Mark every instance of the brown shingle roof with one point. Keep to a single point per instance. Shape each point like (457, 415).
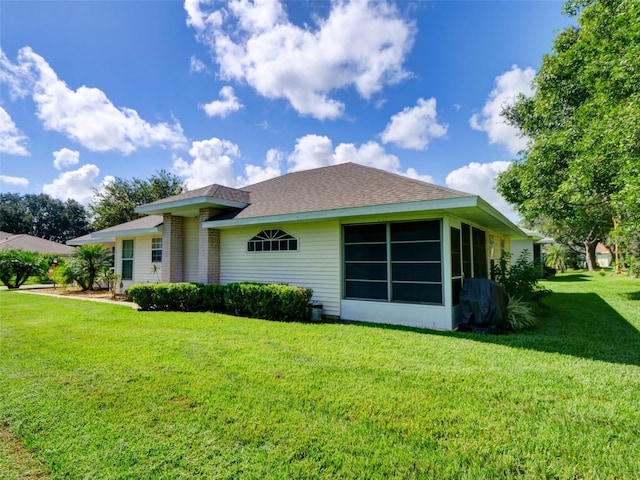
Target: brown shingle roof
(30, 243)
(339, 186)
(215, 191)
(150, 221)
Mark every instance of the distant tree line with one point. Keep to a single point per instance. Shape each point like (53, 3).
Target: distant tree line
(45, 217)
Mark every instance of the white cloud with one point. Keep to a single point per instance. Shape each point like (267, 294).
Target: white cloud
(489, 120)
(480, 179)
(86, 115)
(314, 151)
(361, 44)
(221, 108)
(413, 173)
(196, 65)
(212, 163)
(11, 139)
(415, 127)
(15, 181)
(65, 158)
(256, 173)
(76, 184)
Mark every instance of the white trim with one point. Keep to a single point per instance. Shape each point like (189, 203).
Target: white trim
(91, 240)
(128, 233)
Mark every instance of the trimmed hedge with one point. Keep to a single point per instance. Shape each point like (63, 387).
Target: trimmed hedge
(255, 300)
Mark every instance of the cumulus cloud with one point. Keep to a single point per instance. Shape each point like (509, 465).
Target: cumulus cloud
(86, 115)
(257, 173)
(361, 44)
(480, 179)
(227, 104)
(65, 158)
(196, 65)
(11, 139)
(74, 184)
(314, 151)
(15, 181)
(507, 87)
(212, 163)
(415, 127)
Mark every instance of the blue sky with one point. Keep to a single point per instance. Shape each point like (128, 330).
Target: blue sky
(238, 92)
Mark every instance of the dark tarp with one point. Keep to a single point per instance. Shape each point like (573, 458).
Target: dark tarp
(483, 306)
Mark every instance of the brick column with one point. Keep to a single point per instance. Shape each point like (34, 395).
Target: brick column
(208, 249)
(172, 241)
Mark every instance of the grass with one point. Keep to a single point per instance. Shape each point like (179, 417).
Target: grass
(94, 390)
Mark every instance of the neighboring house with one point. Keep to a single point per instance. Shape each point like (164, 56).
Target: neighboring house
(374, 246)
(533, 245)
(603, 256)
(30, 243)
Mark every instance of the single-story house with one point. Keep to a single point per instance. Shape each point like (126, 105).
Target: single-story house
(533, 245)
(29, 243)
(374, 246)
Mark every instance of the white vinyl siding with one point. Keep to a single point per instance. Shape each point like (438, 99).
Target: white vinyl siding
(142, 265)
(190, 254)
(315, 265)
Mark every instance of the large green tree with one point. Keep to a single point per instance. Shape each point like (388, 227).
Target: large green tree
(578, 177)
(116, 203)
(42, 216)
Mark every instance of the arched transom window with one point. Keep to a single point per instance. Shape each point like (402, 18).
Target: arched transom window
(273, 240)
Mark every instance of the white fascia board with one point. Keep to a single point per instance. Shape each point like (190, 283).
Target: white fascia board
(493, 212)
(427, 205)
(188, 202)
(127, 233)
(90, 241)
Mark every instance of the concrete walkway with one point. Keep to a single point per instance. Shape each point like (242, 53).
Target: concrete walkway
(34, 291)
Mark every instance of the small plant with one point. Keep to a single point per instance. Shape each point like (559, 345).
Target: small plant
(520, 314)
(110, 278)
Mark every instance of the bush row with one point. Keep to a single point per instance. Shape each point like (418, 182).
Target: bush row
(256, 300)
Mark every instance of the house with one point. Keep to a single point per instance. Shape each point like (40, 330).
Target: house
(374, 246)
(30, 243)
(533, 244)
(603, 256)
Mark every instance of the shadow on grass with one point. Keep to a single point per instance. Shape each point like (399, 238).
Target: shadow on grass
(635, 296)
(573, 277)
(577, 324)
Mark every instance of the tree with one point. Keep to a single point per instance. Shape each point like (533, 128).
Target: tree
(85, 264)
(16, 266)
(42, 216)
(116, 203)
(577, 175)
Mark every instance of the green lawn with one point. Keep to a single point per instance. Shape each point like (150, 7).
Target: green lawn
(92, 390)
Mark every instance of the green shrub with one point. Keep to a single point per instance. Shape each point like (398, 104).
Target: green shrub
(520, 314)
(267, 301)
(520, 280)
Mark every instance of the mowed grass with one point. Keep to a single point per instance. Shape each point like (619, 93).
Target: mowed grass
(93, 390)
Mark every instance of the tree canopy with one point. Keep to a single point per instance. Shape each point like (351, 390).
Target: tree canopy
(116, 203)
(579, 176)
(42, 216)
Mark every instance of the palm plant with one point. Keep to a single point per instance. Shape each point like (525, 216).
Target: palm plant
(16, 266)
(84, 265)
(556, 257)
